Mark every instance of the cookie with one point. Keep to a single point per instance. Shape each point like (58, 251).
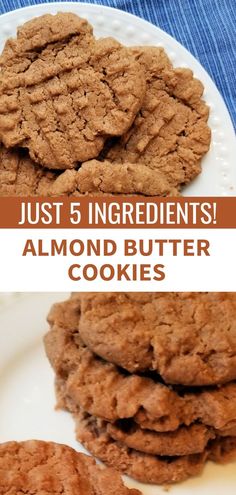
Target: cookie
(188, 338)
(145, 467)
(62, 93)
(20, 176)
(152, 406)
(185, 440)
(170, 132)
(110, 393)
(37, 467)
(117, 178)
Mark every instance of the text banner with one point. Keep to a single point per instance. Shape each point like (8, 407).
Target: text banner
(118, 212)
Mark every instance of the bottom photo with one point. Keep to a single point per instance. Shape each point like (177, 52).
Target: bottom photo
(118, 393)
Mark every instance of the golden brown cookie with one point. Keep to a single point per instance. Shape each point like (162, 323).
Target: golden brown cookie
(114, 178)
(153, 407)
(188, 338)
(37, 467)
(146, 467)
(20, 176)
(62, 92)
(185, 440)
(170, 131)
(103, 390)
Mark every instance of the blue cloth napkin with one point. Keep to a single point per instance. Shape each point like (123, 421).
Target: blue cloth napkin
(207, 28)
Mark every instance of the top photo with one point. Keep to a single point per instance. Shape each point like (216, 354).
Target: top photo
(97, 101)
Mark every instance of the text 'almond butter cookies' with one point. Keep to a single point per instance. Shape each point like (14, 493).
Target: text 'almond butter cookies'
(122, 119)
(37, 467)
(135, 421)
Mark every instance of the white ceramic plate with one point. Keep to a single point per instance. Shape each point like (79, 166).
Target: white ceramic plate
(219, 169)
(27, 394)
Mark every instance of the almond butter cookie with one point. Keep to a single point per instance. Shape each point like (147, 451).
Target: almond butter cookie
(146, 467)
(62, 93)
(20, 176)
(170, 132)
(104, 390)
(37, 467)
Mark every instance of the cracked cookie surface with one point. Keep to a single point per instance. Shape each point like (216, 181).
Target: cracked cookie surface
(185, 440)
(188, 338)
(35, 467)
(113, 178)
(170, 132)
(62, 93)
(20, 176)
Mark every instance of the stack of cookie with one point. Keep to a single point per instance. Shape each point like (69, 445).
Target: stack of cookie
(149, 378)
(80, 115)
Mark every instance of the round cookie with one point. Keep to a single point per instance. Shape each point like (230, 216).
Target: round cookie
(62, 93)
(145, 467)
(170, 131)
(108, 392)
(188, 338)
(36, 467)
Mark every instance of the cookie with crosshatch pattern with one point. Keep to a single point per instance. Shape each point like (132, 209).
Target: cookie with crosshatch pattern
(62, 93)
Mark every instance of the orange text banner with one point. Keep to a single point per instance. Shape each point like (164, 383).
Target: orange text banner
(118, 212)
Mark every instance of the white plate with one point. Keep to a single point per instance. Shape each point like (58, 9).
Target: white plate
(219, 168)
(27, 394)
